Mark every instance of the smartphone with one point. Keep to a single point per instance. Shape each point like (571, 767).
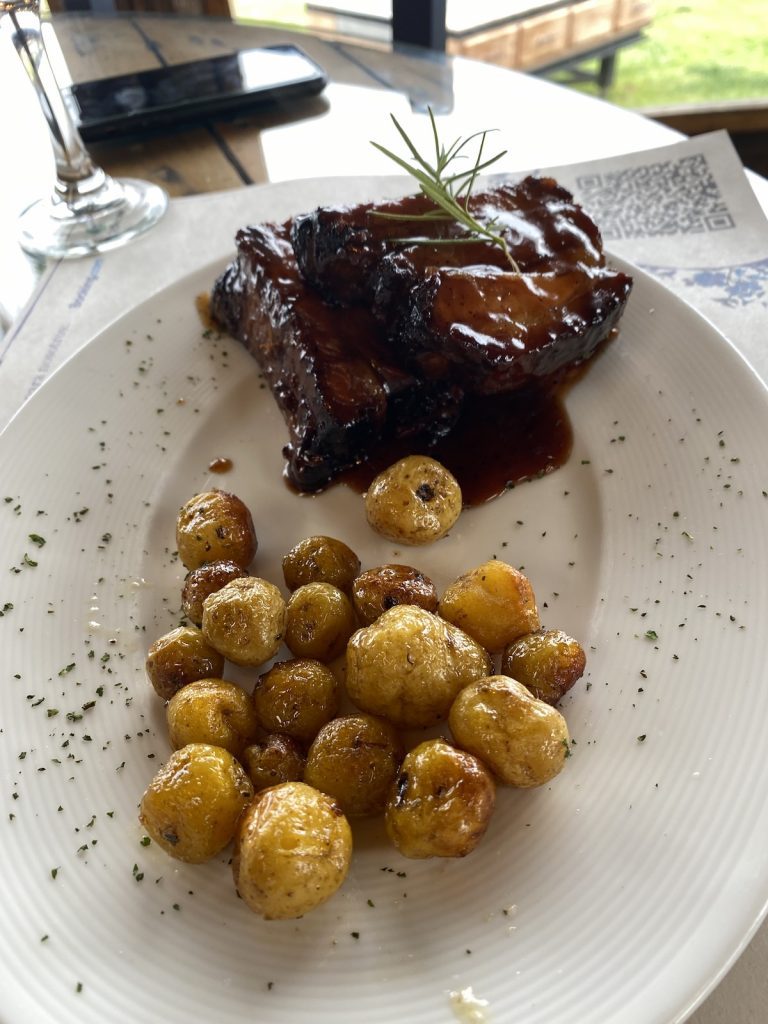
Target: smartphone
(214, 87)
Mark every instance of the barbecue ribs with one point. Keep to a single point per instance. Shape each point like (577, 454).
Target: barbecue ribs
(363, 336)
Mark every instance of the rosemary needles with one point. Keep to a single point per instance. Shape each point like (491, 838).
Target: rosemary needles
(448, 189)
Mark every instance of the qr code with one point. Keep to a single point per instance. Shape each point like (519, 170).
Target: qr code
(667, 197)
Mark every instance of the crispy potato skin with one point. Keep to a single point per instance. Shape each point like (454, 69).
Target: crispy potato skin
(212, 711)
(193, 804)
(547, 663)
(441, 802)
(296, 698)
(494, 603)
(245, 620)
(408, 666)
(377, 590)
(414, 501)
(319, 621)
(355, 759)
(215, 526)
(278, 771)
(522, 740)
(292, 851)
(277, 759)
(205, 580)
(320, 559)
(180, 657)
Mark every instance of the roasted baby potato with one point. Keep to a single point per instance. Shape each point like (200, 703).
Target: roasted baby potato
(376, 590)
(245, 620)
(277, 759)
(494, 603)
(180, 657)
(202, 582)
(441, 802)
(292, 851)
(547, 663)
(409, 664)
(192, 806)
(415, 501)
(320, 560)
(296, 698)
(319, 621)
(355, 760)
(212, 711)
(215, 526)
(522, 740)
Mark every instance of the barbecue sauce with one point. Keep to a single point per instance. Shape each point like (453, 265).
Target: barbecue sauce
(203, 307)
(498, 442)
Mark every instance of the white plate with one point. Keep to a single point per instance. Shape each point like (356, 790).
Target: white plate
(619, 893)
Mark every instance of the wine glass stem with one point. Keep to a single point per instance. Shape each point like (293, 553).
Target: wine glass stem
(74, 166)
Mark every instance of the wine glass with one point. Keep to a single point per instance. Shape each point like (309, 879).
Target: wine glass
(88, 211)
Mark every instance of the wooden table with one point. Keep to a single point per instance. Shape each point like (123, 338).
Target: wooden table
(326, 135)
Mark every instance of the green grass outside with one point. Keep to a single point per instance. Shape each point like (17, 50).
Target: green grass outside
(695, 52)
(279, 13)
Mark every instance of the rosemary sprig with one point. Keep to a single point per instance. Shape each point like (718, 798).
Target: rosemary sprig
(450, 192)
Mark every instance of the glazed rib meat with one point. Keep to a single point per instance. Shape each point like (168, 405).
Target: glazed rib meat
(458, 311)
(493, 329)
(339, 390)
(364, 339)
(339, 249)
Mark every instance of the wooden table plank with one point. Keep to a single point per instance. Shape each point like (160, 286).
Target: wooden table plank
(178, 42)
(426, 83)
(184, 163)
(99, 48)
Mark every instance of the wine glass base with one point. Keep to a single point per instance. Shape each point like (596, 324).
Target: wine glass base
(115, 213)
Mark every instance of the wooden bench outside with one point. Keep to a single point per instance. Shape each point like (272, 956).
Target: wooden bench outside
(537, 36)
(562, 35)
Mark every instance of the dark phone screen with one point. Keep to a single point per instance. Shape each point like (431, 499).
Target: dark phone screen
(182, 91)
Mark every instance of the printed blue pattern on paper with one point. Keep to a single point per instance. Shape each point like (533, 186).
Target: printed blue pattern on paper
(735, 286)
